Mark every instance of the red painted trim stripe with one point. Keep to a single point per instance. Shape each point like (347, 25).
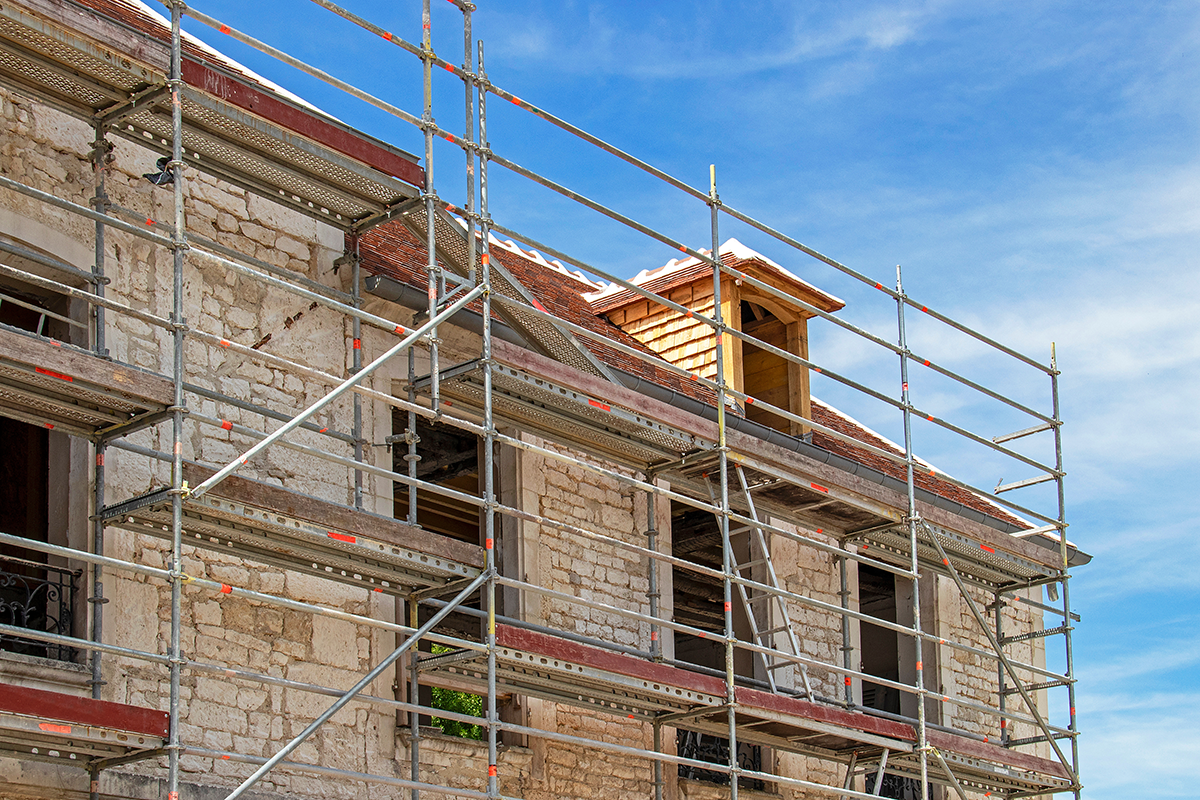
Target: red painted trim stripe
(819, 487)
(50, 727)
(342, 537)
(599, 405)
(988, 549)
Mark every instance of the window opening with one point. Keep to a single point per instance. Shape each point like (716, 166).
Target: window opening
(880, 646)
(699, 601)
(450, 458)
(34, 594)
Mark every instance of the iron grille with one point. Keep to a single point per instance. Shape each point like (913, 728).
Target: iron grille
(39, 597)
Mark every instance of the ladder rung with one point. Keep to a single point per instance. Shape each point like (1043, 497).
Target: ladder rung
(1022, 637)
(1036, 739)
(777, 629)
(755, 563)
(1033, 687)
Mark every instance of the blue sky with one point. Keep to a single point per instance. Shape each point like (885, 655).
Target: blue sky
(1032, 165)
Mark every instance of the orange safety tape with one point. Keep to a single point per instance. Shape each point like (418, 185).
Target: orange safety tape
(53, 374)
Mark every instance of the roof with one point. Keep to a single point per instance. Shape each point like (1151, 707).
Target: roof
(110, 59)
(393, 251)
(924, 475)
(678, 272)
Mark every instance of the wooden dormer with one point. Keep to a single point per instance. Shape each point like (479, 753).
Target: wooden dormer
(690, 344)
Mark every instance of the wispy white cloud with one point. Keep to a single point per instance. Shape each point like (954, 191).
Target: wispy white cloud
(650, 43)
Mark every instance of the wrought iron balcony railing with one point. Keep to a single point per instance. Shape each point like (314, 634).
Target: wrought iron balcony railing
(38, 597)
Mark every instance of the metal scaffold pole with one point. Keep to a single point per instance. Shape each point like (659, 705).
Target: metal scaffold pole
(434, 287)
(356, 363)
(489, 441)
(1064, 556)
(101, 149)
(179, 246)
(914, 565)
(727, 557)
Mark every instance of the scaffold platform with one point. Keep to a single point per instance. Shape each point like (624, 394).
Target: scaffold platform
(50, 726)
(50, 384)
(293, 531)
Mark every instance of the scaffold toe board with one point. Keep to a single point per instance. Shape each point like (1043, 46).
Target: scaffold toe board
(50, 726)
(540, 665)
(561, 414)
(295, 531)
(985, 767)
(988, 566)
(789, 723)
(48, 383)
(235, 126)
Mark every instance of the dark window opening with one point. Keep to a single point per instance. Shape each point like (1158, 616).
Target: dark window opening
(880, 646)
(29, 309)
(449, 457)
(765, 374)
(699, 601)
(715, 750)
(34, 593)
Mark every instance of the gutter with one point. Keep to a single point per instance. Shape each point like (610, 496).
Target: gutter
(397, 292)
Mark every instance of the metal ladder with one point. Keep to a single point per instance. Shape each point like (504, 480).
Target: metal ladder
(762, 607)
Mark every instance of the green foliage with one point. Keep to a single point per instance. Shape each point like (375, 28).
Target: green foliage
(459, 703)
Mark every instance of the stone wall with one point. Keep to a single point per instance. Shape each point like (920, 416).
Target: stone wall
(222, 711)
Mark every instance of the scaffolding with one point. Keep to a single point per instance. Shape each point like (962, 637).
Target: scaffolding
(565, 396)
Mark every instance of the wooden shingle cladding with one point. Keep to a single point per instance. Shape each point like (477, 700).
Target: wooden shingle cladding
(690, 343)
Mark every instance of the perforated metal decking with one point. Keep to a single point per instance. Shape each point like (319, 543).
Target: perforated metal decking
(53, 385)
(980, 564)
(234, 127)
(535, 664)
(274, 526)
(49, 726)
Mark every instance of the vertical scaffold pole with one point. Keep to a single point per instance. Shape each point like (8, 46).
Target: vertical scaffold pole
(727, 560)
(178, 246)
(100, 155)
(1000, 676)
(356, 364)
(847, 650)
(1065, 563)
(433, 272)
(489, 438)
(914, 566)
(414, 697)
(652, 595)
(469, 134)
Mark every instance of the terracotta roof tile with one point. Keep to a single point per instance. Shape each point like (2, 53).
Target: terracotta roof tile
(393, 251)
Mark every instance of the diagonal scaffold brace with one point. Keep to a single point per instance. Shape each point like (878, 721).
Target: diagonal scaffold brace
(337, 392)
(366, 681)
